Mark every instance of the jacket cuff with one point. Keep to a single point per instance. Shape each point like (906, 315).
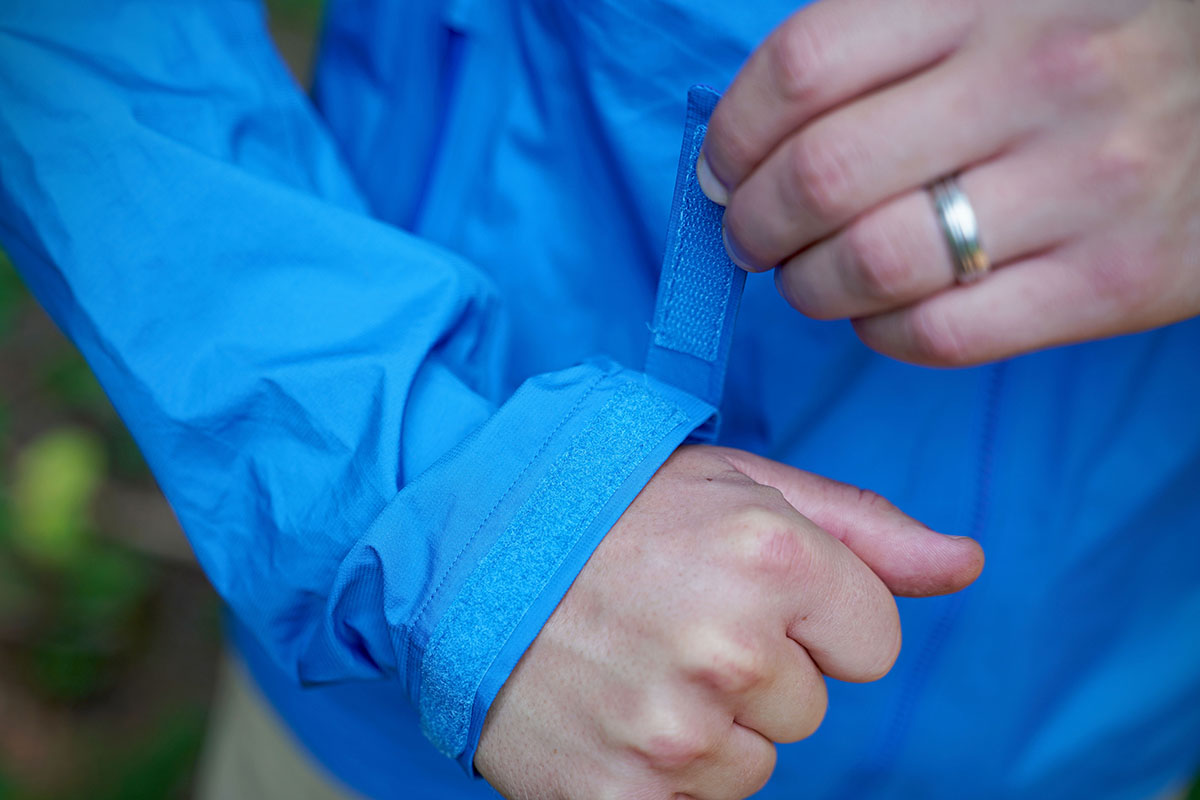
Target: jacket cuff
(518, 508)
(592, 459)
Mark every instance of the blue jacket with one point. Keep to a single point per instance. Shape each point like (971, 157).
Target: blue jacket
(385, 352)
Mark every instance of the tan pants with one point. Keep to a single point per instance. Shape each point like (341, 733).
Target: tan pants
(251, 755)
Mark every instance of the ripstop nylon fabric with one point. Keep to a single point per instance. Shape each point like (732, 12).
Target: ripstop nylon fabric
(342, 330)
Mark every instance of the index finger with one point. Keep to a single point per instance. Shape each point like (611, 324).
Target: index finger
(845, 617)
(820, 57)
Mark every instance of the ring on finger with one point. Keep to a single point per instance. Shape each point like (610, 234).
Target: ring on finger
(961, 230)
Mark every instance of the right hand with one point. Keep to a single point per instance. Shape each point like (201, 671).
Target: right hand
(697, 634)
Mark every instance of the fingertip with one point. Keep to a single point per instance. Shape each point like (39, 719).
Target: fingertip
(977, 560)
(709, 184)
(946, 570)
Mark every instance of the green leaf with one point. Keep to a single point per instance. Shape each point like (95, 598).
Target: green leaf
(56, 478)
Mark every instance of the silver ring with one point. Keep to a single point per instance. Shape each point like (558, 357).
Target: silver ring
(961, 229)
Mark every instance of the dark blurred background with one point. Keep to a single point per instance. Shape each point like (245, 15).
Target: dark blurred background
(109, 632)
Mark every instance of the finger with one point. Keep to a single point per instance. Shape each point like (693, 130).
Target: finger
(908, 557)
(737, 770)
(858, 156)
(791, 705)
(820, 57)
(1025, 203)
(841, 613)
(1062, 297)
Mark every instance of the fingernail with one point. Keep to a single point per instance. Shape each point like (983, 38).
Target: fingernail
(735, 253)
(709, 184)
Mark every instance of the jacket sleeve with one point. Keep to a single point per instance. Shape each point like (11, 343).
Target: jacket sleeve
(314, 390)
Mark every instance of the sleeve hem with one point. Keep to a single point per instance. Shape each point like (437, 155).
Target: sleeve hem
(560, 580)
(536, 537)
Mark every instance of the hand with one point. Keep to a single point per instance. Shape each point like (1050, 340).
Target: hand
(698, 632)
(1075, 125)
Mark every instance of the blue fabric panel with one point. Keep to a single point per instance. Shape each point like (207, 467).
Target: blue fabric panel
(514, 572)
(700, 288)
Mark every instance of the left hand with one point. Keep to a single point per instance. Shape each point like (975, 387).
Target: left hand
(1074, 127)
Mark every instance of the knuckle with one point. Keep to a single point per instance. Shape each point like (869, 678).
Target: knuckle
(865, 498)
(877, 256)
(1119, 173)
(748, 521)
(797, 55)
(821, 175)
(670, 743)
(1069, 64)
(771, 544)
(781, 551)
(727, 664)
(938, 339)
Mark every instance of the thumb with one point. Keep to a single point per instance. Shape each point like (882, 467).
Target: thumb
(911, 559)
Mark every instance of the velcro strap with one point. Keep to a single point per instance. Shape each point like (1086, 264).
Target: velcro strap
(700, 288)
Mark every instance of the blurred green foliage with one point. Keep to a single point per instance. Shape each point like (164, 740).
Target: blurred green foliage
(92, 623)
(80, 595)
(56, 480)
(69, 598)
(74, 601)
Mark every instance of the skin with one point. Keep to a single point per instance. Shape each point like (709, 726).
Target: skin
(1074, 126)
(700, 632)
